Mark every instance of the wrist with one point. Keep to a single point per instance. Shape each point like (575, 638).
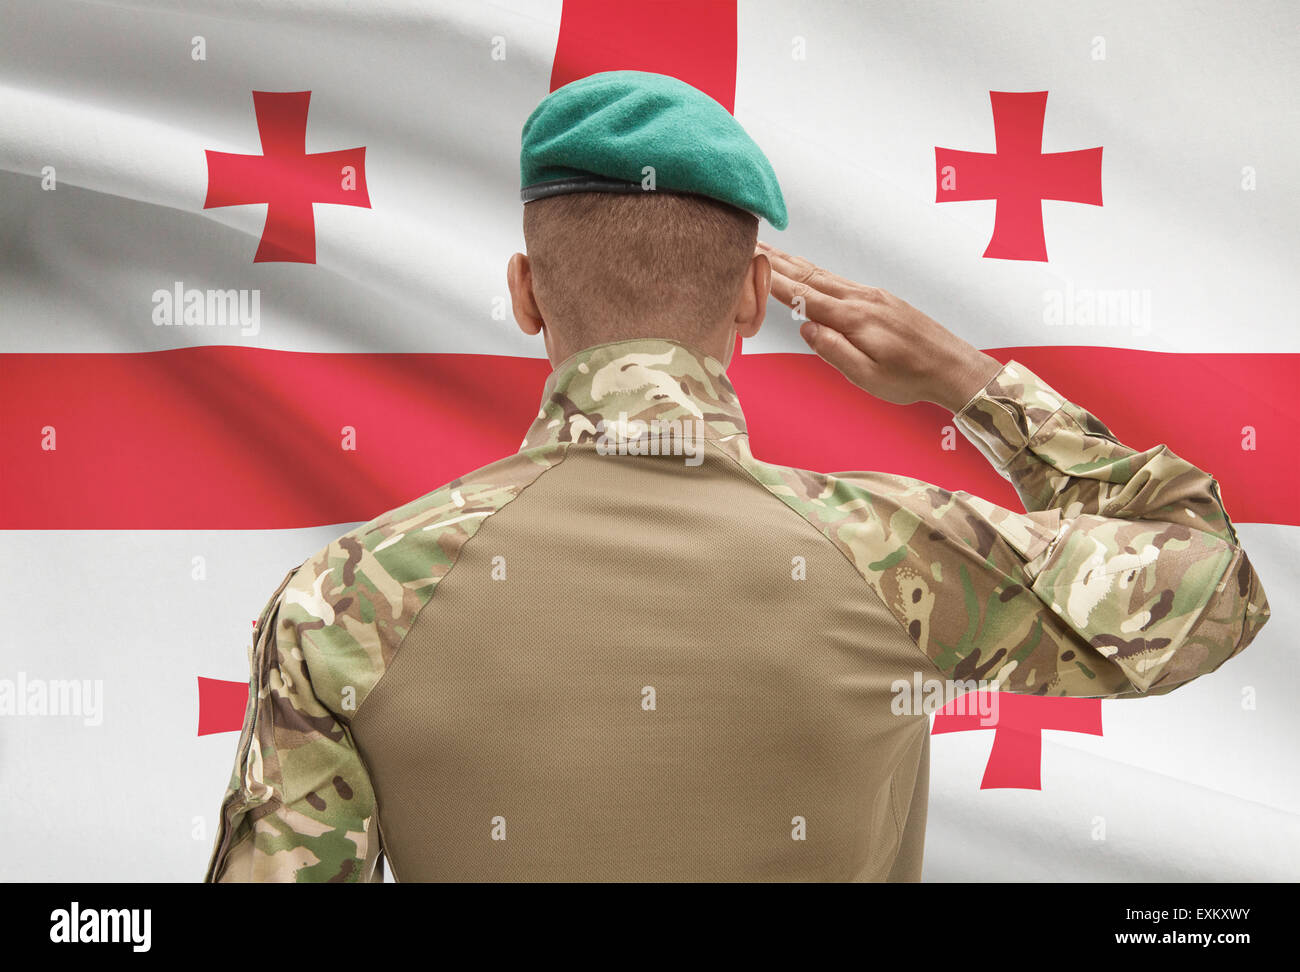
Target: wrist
(966, 380)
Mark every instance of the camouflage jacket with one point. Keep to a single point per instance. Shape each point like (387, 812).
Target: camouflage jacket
(1123, 578)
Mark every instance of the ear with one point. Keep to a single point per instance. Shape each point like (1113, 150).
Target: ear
(752, 306)
(519, 278)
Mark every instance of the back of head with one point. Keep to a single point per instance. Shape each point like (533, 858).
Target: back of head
(613, 266)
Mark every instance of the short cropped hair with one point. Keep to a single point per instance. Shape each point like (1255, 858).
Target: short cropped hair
(647, 264)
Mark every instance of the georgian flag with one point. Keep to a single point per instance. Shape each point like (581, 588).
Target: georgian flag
(252, 293)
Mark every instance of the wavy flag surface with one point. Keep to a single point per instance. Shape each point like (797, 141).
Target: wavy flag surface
(252, 293)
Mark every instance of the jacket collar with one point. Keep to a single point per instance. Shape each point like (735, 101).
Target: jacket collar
(628, 390)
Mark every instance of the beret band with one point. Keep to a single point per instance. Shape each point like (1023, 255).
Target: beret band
(582, 183)
(593, 183)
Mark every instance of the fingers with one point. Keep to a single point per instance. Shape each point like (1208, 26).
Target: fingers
(825, 297)
(832, 311)
(806, 272)
(836, 350)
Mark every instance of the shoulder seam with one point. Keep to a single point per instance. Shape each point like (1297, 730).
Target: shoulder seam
(397, 650)
(840, 550)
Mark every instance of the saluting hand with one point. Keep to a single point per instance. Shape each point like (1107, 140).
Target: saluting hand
(882, 344)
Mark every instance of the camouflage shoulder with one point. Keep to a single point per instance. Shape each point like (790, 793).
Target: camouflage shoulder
(881, 519)
(940, 560)
(352, 603)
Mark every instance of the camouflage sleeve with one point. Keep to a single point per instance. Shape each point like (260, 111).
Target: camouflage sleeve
(1144, 576)
(1059, 456)
(299, 806)
(1123, 579)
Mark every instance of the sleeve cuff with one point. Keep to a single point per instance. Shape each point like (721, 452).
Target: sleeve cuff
(1007, 413)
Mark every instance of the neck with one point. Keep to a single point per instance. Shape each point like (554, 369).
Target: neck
(717, 343)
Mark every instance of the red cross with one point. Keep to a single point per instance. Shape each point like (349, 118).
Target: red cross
(286, 178)
(1016, 759)
(1019, 176)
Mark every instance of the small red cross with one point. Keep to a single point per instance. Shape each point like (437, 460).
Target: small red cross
(286, 178)
(1016, 759)
(1019, 176)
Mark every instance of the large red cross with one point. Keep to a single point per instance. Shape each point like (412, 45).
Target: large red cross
(1018, 175)
(695, 40)
(286, 178)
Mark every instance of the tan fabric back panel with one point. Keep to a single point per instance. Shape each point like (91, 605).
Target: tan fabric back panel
(518, 707)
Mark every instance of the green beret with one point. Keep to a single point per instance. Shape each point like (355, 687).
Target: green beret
(596, 135)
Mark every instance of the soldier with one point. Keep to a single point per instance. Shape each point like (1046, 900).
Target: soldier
(635, 651)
